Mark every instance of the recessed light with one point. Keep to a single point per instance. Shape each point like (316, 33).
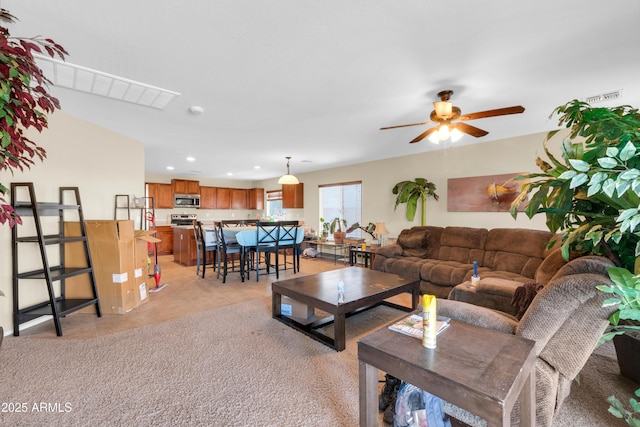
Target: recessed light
(196, 110)
(256, 167)
(191, 159)
(170, 168)
(229, 174)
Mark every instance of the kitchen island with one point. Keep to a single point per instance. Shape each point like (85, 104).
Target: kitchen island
(184, 244)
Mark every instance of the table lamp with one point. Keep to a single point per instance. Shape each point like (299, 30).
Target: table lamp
(380, 231)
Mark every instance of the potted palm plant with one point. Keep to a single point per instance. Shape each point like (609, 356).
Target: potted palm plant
(412, 192)
(591, 195)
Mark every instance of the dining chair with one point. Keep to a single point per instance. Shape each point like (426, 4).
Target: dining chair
(266, 243)
(289, 240)
(202, 248)
(226, 249)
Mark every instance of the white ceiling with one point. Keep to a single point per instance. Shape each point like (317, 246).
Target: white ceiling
(316, 80)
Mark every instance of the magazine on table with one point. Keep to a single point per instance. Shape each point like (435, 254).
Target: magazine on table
(412, 325)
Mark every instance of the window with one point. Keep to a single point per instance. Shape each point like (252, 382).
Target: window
(343, 201)
(274, 203)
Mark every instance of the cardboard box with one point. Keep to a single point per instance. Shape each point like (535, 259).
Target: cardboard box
(293, 308)
(111, 244)
(143, 264)
(120, 264)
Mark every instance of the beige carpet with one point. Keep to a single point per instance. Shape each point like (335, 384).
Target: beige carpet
(232, 366)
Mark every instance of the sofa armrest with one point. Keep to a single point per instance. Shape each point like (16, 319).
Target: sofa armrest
(390, 251)
(475, 315)
(550, 266)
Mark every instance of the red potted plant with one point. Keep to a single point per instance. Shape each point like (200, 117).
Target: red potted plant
(24, 103)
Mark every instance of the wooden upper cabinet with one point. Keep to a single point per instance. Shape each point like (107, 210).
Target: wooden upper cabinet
(293, 196)
(223, 198)
(256, 198)
(183, 186)
(162, 195)
(239, 198)
(208, 198)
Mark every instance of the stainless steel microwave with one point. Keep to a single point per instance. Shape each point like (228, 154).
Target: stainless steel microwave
(186, 200)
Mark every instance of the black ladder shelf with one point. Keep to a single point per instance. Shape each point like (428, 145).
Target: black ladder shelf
(57, 305)
(120, 198)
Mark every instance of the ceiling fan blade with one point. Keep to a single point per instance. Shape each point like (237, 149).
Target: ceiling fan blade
(517, 109)
(423, 135)
(471, 130)
(404, 126)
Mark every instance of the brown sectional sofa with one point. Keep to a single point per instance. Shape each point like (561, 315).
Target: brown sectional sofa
(442, 258)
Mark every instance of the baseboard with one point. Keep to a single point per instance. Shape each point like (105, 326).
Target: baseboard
(29, 324)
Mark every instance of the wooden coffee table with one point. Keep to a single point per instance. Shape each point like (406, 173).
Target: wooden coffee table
(364, 289)
(477, 369)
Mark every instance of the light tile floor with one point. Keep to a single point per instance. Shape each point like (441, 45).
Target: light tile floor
(185, 294)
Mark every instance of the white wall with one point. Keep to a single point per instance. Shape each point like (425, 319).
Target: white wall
(100, 162)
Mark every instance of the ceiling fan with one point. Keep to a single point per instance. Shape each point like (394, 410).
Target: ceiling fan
(445, 113)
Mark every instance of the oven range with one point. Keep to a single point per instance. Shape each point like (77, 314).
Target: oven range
(183, 219)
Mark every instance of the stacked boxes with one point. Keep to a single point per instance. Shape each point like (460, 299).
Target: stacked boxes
(120, 262)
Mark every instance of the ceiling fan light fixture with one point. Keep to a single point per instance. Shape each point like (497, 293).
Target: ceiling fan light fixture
(444, 109)
(443, 132)
(455, 135)
(288, 178)
(434, 138)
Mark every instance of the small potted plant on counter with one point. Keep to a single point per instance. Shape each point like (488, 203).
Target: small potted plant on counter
(336, 225)
(325, 229)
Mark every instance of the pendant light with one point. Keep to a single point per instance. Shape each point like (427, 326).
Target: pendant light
(288, 178)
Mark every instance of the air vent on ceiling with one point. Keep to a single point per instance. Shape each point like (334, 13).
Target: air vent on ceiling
(610, 96)
(83, 79)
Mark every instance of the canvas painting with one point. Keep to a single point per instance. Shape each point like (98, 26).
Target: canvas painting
(490, 193)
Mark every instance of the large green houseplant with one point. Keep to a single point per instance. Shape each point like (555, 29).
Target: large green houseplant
(591, 195)
(24, 103)
(410, 192)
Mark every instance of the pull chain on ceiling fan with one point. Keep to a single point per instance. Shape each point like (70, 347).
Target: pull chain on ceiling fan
(443, 115)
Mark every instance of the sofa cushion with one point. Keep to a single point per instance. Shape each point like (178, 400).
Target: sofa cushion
(404, 266)
(449, 273)
(515, 250)
(462, 244)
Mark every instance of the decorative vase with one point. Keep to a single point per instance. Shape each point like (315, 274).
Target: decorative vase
(338, 237)
(627, 350)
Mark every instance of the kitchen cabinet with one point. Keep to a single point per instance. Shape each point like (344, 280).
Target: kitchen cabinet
(165, 234)
(184, 246)
(162, 195)
(223, 198)
(183, 186)
(293, 196)
(208, 198)
(238, 198)
(256, 198)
